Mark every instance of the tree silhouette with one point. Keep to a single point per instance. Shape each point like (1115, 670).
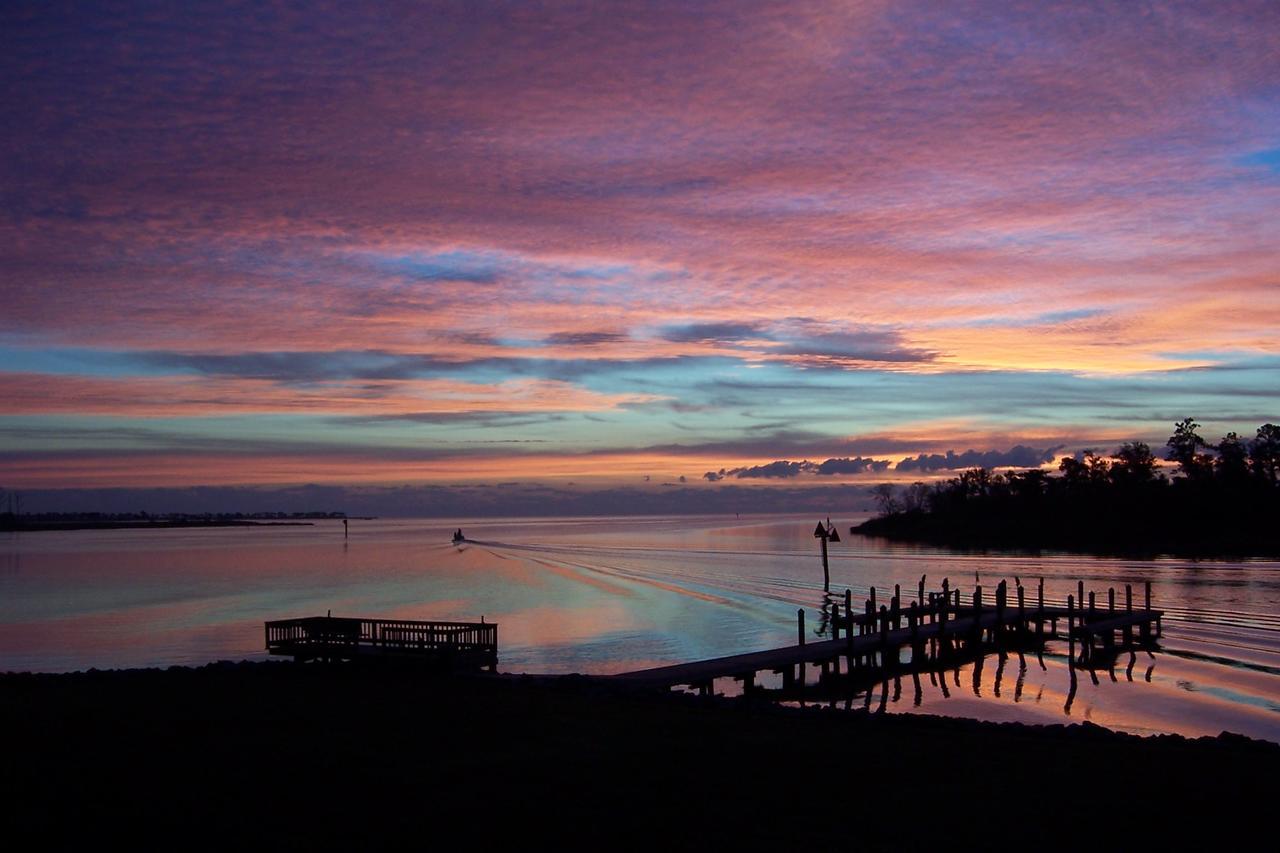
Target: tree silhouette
(884, 496)
(1184, 446)
(1133, 464)
(1232, 464)
(1264, 453)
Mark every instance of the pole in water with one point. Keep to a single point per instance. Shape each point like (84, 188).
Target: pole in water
(822, 534)
(344, 528)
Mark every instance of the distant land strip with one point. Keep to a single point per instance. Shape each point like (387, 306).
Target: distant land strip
(11, 522)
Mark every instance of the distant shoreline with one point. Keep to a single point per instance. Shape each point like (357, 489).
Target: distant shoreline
(45, 526)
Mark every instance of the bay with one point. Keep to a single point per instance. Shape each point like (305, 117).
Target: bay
(607, 595)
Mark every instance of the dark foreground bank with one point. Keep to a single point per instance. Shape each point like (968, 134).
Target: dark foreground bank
(307, 756)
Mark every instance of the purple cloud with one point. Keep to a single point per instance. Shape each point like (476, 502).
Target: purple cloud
(1018, 456)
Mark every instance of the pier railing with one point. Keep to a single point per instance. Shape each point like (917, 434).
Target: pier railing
(344, 637)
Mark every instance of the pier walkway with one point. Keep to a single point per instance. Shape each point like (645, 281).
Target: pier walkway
(937, 629)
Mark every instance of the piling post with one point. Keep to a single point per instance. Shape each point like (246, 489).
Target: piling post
(1071, 630)
(1080, 594)
(1022, 611)
(1128, 608)
(1111, 600)
(977, 614)
(920, 591)
(1002, 600)
(884, 636)
(848, 606)
(1092, 606)
(800, 626)
(1040, 608)
(941, 643)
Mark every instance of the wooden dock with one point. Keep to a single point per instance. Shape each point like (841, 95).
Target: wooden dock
(938, 630)
(451, 645)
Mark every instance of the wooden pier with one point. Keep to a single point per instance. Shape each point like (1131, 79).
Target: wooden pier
(938, 628)
(451, 645)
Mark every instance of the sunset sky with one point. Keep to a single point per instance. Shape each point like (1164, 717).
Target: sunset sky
(593, 243)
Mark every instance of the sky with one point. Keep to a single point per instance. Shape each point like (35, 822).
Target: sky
(627, 246)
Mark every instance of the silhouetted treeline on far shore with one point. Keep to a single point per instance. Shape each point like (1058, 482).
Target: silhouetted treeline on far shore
(1222, 499)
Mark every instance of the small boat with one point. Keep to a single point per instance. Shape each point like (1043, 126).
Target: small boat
(458, 537)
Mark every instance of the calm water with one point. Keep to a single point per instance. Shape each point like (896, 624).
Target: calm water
(608, 595)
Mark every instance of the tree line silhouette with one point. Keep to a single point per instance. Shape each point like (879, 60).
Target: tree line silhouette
(1220, 499)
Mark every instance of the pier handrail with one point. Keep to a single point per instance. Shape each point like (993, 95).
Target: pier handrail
(387, 633)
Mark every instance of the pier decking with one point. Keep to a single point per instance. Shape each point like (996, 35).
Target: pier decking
(455, 645)
(936, 628)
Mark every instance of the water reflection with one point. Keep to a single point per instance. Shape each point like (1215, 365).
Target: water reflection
(607, 595)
